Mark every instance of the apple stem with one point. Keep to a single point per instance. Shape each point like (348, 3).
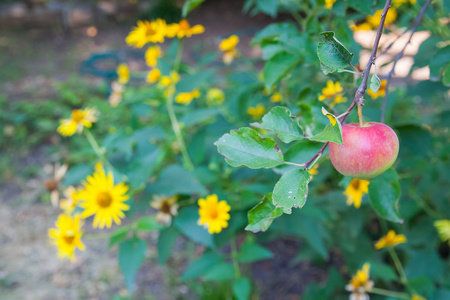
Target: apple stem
(361, 123)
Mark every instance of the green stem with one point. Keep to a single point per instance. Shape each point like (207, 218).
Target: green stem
(297, 17)
(398, 265)
(234, 258)
(389, 293)
(294, 164)
(173, 118)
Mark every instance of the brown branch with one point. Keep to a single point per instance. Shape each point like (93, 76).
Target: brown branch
(359, 96)
(399, 55)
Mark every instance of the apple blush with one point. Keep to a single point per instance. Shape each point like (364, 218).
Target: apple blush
(367, 151)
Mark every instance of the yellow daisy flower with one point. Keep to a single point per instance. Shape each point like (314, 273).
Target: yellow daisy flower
(166, 206)
(314, 171)
(67, 235)
(360, 284)
(333, 91)
(153, 76)
(381, 91)
(78, 119)
(257, 111)
(355, 191)
(229, 43)
(123, 73)
(215, 96)
(152, 54)
(214, 214)
(276, 97)
(361, 27)
(375, 20)
(443, 228)
(172, 79)
(147, 32)
(398, 3)
(103, 198)
(185, 30)
(186, 98)
(417, 297)
(391, 239)
(329, 3)
(69, 203)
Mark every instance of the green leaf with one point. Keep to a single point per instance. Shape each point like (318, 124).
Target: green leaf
(438, 62)
(273, 32)
(131, 255)
(269, 7)
(277, 67)
(186, 183)
(262, 215)
(446, 76)
(118, 235)
(220, 272)
(251, 252)
(244, 147)
(384, 193)
(200, 115)
(189, 6)
(291, 190)
(242, 288)
(333, 54)
(375, 83)
(279, 119)
(192, 81)
(148, 224)
(362, 6)
(202, 265)
(186, 222)
(166, 240)
(332, 132)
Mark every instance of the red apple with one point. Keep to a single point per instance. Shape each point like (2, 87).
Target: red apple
(367, 151)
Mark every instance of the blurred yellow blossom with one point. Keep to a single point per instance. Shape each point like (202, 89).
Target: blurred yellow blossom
(391, 239)
(123, 73)
(417, 297)
(355, 191)
(67, 235)
(147, 32)
(398, 3)
(78, 120)
(184, 29)
(276, 97)
(101, 197)
(360, 284)
(166, 206)
(173, 78)
(257, 111)
(214, 214)
(52, 184)
(443, 228)
(375, 19)
(314, 171)
(186, 98)
(333, 91)
(361, 27)
(153, 76)
(229, 47)
(152, 54)
(329, 3)
(69, 203)
(381, 91)
(116, 94)
(215, 96)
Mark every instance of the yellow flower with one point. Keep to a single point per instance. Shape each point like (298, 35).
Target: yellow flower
(78, 119)
(169, 91)
(186, 98)
(257, 111)
(276, 97)
(147, 32)
(333, 91)
(361, 27)
(398, 3)
(214, 214)
(215, 96)
(103, 198)
(314, 170)
(381, 91)
(329, 3)
(417, 297)
(116, 95)
(360, 284)
(229, 56)
(355, 191)
(67, 235)
(69, 203)
(443, 228)
(391, 239)
(166, 206)
(266, 92)
(152, 54)
(153, 76)
(229, 43)
(173, 78)
(185, 30)
(375, 20)
(123, 73)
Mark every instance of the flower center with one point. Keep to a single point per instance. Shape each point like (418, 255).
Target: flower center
(149, 31)
(77, 115)
(104, 199)
(184, 25)
(355, 184)
(213, 213)
(165, 207)
(69, 237)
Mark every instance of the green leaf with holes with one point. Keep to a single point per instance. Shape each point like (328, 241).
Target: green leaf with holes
(291, 190)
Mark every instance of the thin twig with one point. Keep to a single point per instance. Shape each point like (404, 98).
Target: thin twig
(399, 55)
(359, 96)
